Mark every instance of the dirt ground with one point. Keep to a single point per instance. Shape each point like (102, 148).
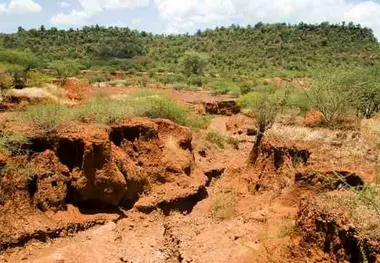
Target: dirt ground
(204, 203)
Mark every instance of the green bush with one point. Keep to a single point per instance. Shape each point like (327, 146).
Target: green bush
(328, 93)
(48, 116)
(143, 81)
(181, 86)
(171, 78)
(6, 81)
(158, 106)
(193, 63)
(104, 110)
(97, 79)
(196, 81)
(247, 86)
(216, 138)
(36, 79)
(297, 98)
(223, 86)
(12, 142)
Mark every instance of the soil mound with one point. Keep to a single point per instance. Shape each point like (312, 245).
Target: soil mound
(331, 234)
(140, 163)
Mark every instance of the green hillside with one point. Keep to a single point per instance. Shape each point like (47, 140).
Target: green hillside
(234, 49)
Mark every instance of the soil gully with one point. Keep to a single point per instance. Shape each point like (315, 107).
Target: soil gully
(214, 174)
(171, 244)
(184, 205)
(43, 235)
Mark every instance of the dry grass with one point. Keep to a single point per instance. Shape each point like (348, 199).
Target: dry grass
(370, 130)
(223, 203)
(12, 142)
(362, 208)
(298, 133)
(48, 117)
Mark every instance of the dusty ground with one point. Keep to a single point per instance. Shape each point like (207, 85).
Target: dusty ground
(218, 210)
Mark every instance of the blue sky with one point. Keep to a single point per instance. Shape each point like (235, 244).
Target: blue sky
(180, 16)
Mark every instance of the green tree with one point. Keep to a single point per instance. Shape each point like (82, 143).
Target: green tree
(65, 69)
(194, 63)
(264, 107)
(328, 93)
(363, 86)
(18, 64)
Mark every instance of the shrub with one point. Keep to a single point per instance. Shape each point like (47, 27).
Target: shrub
(6, 81)
(157, 106)
(223, 86)
(193, 63)
(65, 69)
(97, 79)
(48, 116)
(196, 80)
(36, 79)
(104, 110)
(12, 142)
(181, 86)
(171, 78)
(216, 138)
(297, 98)
(233, 141)
(265, 107)
(247, 86)
(363, 87)
(223, 204)
(327, 93)
(201, 122)
(143, 81)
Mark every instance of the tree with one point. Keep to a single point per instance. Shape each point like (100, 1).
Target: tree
(328, 93)
(363, 86)
(265, 108)
(18, 64)
(65, 69)
(194, 63)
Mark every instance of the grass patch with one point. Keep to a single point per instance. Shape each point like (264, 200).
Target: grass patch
(158, 106)
(223, 204)
(48, 116)
(233, 142)
(216, 138)
(199, 122)
(224, 86)
(12, 142)
(104, 110)
(360, 206)
(220, 140)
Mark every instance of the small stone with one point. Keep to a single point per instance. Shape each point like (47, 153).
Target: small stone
(58, 258)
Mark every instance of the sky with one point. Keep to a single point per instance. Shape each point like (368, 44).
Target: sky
(181, 16)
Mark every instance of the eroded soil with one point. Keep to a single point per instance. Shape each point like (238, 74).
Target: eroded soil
(152, 191)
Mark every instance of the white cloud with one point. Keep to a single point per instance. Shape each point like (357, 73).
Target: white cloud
(20, 7)
(180, 16)
(185, 14)
(73, 18)
(63, 4)
(367, 14)
(91, 8)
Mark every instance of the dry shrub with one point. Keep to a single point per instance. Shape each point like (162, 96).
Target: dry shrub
(223, 203)
(370, 130)
(48, 117)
